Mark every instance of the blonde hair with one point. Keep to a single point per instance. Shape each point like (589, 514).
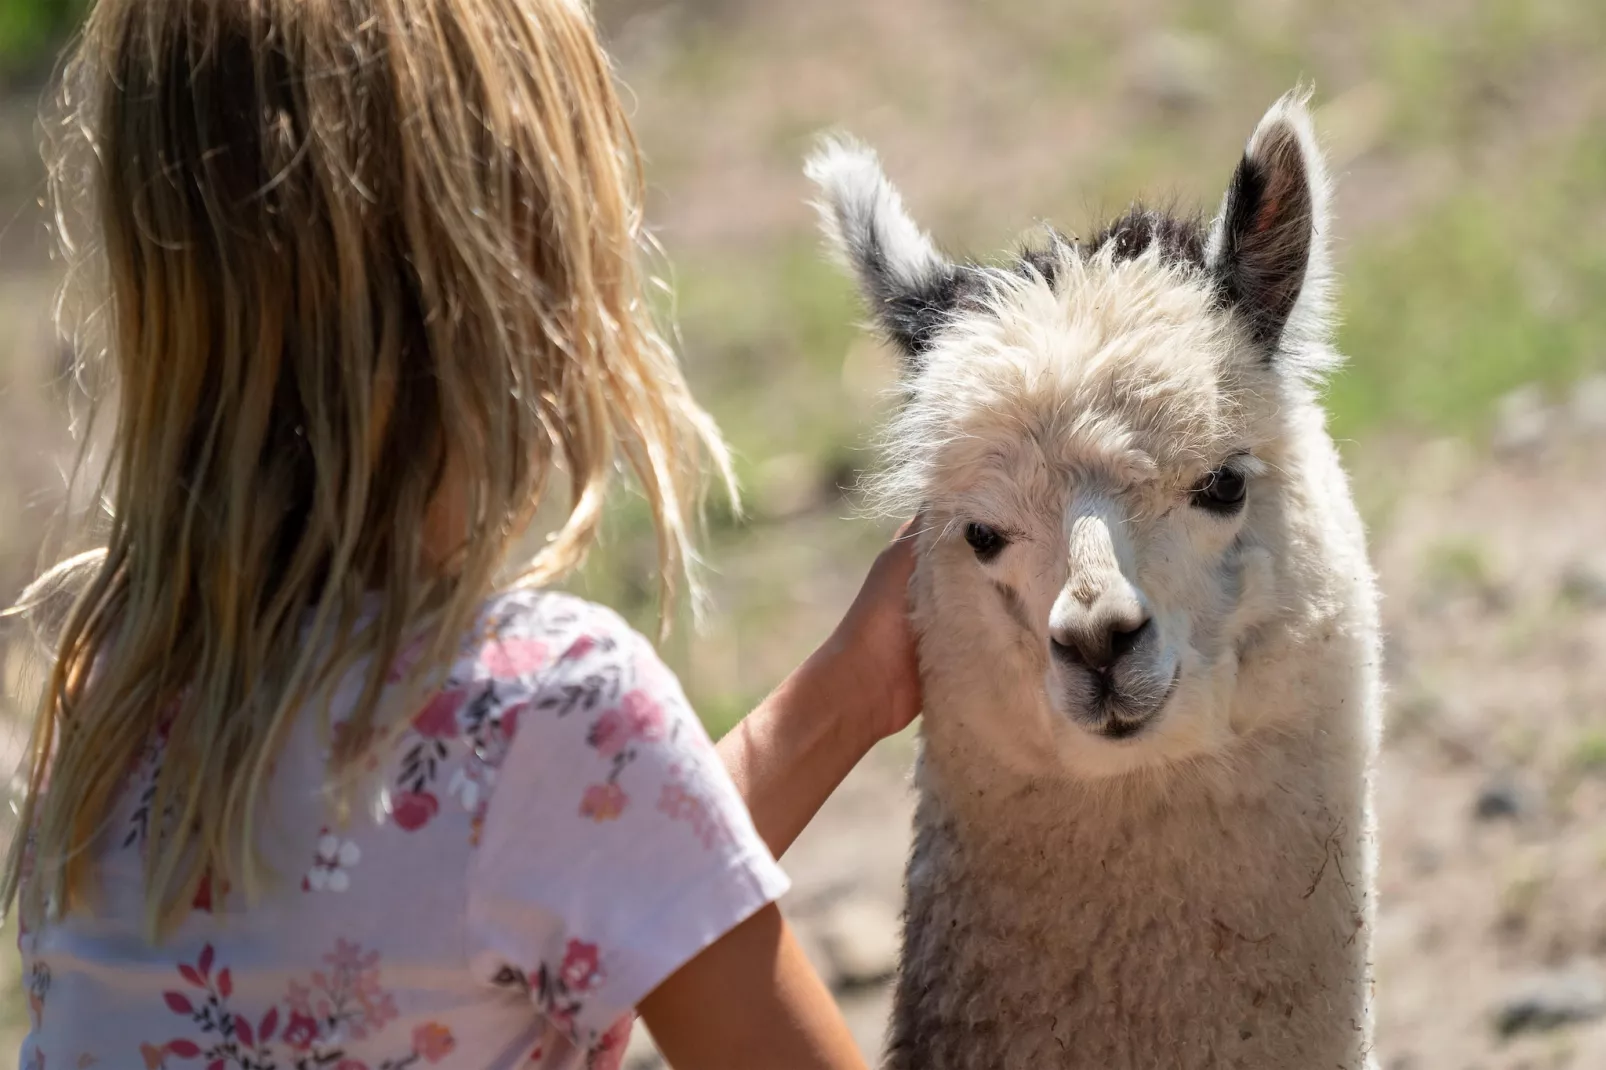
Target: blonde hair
(357, 255)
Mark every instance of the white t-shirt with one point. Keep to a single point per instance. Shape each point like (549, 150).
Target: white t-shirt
(552, 837)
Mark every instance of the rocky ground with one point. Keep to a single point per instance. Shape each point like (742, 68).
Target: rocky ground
(1491, 939)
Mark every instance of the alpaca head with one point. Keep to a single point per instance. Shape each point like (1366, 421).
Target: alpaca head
(1094, 434)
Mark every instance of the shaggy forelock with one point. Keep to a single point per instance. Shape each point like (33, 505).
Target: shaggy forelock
(1101, 359)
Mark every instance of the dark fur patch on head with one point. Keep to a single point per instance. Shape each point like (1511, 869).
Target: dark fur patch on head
(1044, 260)
(1180, 240)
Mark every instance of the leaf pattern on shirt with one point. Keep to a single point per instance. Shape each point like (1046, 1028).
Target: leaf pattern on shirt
(310, 1029)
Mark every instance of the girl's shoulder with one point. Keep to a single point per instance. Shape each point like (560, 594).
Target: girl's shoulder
(525, 635)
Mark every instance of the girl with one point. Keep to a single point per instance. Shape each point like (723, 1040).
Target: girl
(308, 788)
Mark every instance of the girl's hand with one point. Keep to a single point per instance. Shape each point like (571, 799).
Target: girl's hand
(871, 656)
(860, 686)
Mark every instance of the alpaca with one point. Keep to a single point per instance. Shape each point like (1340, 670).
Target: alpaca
(1148, 634)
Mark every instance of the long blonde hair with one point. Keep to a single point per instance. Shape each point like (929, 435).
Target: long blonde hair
(355, 254)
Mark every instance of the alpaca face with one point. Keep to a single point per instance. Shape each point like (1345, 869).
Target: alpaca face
(1091, 435)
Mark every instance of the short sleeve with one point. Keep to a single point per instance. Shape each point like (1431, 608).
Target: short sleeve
(615, 846)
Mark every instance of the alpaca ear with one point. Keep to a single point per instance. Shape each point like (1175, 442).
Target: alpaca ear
(910, 287)
(1267, 248)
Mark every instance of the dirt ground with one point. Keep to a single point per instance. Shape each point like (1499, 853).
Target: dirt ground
(1492, 787)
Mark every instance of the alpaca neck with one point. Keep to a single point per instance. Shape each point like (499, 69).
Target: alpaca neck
(1160, 925)
(1217, 906)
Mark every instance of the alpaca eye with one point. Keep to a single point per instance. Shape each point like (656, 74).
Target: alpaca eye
(986, 541)
(1222, 491)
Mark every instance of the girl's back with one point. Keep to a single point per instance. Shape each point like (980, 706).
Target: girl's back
(496, 863)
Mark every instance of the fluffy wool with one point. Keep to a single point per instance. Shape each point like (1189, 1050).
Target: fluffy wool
(1163, 858)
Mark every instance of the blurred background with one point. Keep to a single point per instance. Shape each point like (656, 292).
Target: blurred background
(1469, 142)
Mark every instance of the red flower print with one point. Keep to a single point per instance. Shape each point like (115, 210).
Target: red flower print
(413, 809)
(507, 723)
(610, 733)
(301, 1031)
(579, 648)
(184, 1049)
(609, 1052)
(507, 659)
(438, 720)
(603, 802)
(433, 1041)
(582, 968)
(205, 893)
(644, 715)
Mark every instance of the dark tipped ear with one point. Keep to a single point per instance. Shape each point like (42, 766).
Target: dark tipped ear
(911, 287)
(1267, 247)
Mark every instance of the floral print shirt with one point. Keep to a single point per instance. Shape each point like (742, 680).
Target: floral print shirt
(552, 837)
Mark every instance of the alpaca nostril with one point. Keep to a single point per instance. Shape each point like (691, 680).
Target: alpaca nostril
(1070, 653)
(1123, 643)
(1098, 649)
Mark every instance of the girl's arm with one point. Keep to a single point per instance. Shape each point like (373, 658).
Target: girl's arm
(752, 998)
(860, 686)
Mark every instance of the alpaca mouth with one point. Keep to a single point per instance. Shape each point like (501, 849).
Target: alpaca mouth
(1118, 710)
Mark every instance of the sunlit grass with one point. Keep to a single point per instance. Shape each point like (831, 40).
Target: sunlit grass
(1488, 291)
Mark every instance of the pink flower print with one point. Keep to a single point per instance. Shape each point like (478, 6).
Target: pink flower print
(351, 1064)
(644, 715)
(406, 659)
(507, 659)
(603, 802)
(348, 994)
(300, 1031)
(331, 864)
(412, 810)
(438, 719)
(610, 733)
(582, 966)
(433, 1041)
(683, 805)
